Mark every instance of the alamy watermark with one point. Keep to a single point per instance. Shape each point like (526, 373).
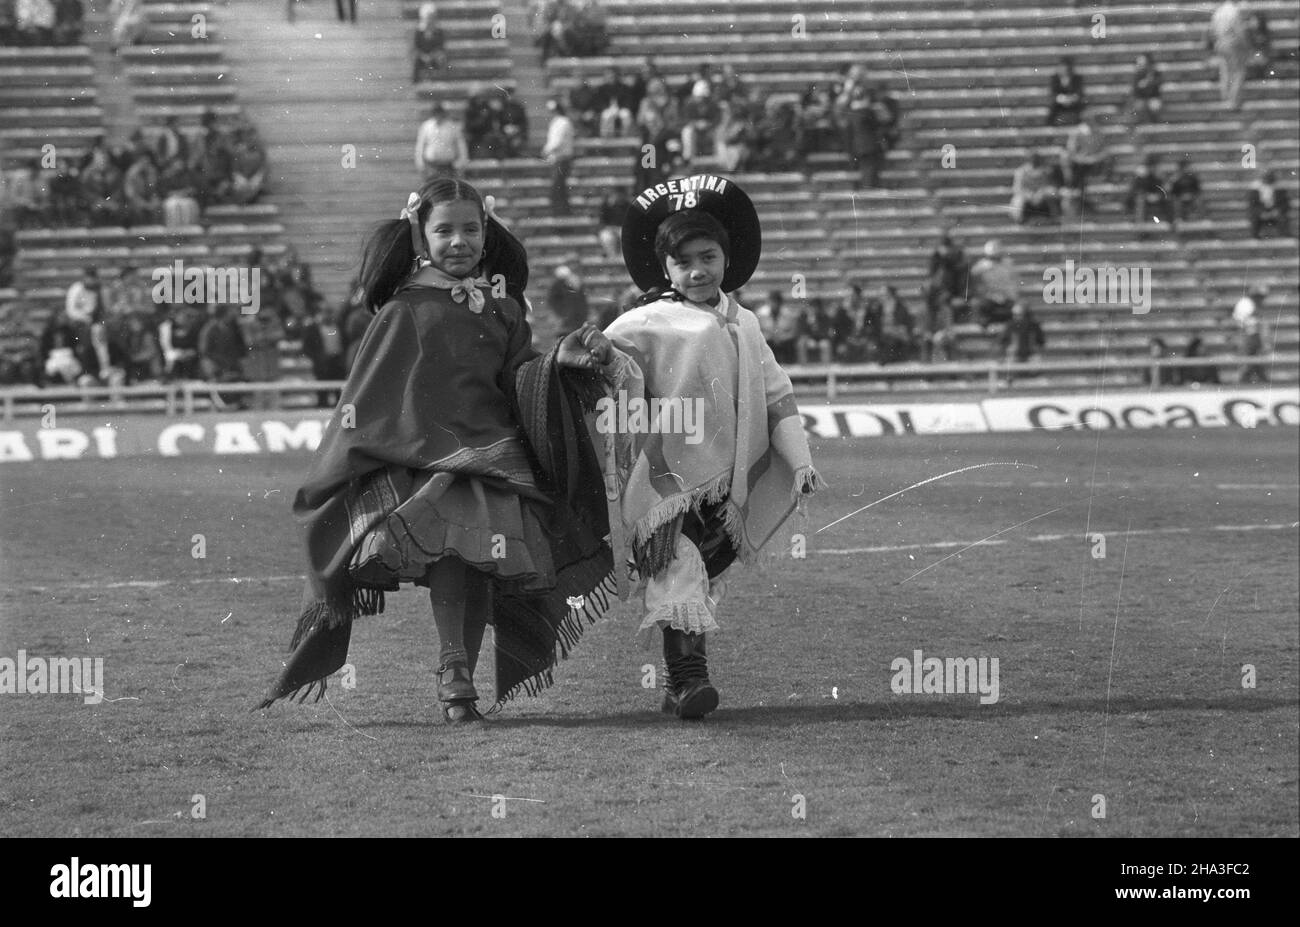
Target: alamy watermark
(53, 676)
(1085, 286)
(673, 415)
(206, 284)
(921, 675)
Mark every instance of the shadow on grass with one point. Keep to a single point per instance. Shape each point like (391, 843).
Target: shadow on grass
(849, 712)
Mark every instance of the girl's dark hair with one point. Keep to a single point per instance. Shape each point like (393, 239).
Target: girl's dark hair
(686, 226)
(388, 256)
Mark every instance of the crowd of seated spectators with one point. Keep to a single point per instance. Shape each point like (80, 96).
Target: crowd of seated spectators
(716, 114)
(111, 331)
(167, 179)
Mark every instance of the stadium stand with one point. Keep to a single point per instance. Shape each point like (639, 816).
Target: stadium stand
(969, 74)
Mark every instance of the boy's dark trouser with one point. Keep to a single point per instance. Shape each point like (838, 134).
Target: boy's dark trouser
(690, 694)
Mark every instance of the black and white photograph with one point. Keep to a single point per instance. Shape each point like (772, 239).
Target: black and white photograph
(650, 418)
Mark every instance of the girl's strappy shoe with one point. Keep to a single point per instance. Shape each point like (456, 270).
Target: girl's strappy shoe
(457, 694)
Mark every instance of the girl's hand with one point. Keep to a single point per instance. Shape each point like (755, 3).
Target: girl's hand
(586, 348)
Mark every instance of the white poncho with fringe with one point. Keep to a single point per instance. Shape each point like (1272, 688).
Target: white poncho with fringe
(735, 437)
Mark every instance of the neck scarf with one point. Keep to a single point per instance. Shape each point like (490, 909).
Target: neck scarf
(462, 288)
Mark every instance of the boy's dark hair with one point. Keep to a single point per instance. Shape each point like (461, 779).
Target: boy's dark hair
(686, 226)
(389, 256)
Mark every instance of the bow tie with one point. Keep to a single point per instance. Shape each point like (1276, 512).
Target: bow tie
(467, 290)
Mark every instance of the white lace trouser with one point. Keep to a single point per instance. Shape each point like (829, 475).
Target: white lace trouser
(682, 596)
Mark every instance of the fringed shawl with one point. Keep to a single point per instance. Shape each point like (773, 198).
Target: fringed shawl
(717, 361)
(413, 401)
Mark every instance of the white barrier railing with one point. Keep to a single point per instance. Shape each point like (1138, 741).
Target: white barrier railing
(187, 397)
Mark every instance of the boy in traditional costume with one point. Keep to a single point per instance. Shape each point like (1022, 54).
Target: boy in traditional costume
(696, 495)
(457, 459)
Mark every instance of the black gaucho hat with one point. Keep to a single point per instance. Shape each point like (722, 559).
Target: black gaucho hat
(711, 193)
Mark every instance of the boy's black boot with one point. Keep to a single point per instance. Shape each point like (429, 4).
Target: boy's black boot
(689, 691)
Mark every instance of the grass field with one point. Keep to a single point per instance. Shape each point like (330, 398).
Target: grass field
(1119, 676)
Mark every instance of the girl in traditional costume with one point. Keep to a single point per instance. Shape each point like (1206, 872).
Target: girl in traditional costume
(710, 479)
(457, 459)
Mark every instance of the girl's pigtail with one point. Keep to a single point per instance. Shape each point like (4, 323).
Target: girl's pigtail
(386, 261)
(505, 254)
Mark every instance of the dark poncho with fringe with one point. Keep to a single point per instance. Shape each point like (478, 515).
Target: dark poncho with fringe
(406, 406)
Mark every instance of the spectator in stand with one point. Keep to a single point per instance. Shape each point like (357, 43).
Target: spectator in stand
(886, 110)
(732, 139)
(1145, 103)
(127, 295)
(430, 46)
(701, 115)
(1147, 201)
(27, 194)
(1035, 191)
(222, 348)
(20, 348)
(659, 104)
(514, 125)
(612, 118)
(1022, 337)
(663, 161)
(81, 302)
(852, 326)
(101, 184)
(346, 13)
(609, 218)
(140, 191)
(1185, 192)
(767, 314)
(170, 144)
(1228, 39)
(584, 105)
(1067, 97)
(1268, 207)
(213, 162)
(69, 17)
(1195, 376)
(262, 333)
(1084, 157)
(555, 20)
(588, 35)
(945, 294)
(1165, 376)
(35, 21)
(141, 355)
(440, 147)
(779, 145)
(482, 132)
(628, 96)
(821, 132)
(559, 152)
(67, 202)
(247, 168)
(995, 285)
(179, 187)
(8, 23)
(178, 335)
(816, 333)
(863, 132)
(896, 330)
(787, 330)
(1261, 46)
(60, 363)
(322, 343)
(566, 300)
(1248, 318)
(129, 23)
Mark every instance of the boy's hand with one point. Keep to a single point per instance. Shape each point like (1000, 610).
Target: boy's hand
(586, 348)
